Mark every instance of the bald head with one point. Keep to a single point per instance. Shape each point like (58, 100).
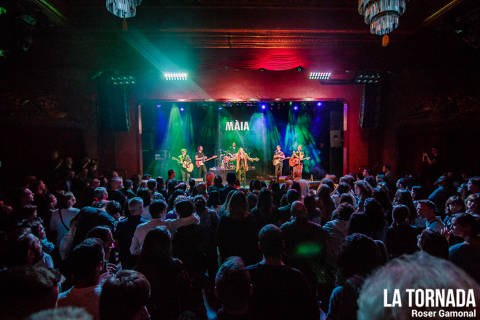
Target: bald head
(297, 209)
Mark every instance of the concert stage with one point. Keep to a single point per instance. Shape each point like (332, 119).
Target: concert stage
(222, 128)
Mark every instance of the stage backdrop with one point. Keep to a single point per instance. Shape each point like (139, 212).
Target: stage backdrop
(258, 127)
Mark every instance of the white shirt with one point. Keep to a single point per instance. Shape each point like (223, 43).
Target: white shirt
(56, 222)
(144, 228)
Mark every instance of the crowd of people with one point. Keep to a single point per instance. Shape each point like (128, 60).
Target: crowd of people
(80, 245)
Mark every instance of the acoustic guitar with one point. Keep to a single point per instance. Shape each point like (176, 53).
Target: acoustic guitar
(199, 163)
(295, 161)
(277, 160)
(187, 164)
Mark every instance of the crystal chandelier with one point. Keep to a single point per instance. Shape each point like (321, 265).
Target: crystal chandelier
(381, 15)
(123, 8)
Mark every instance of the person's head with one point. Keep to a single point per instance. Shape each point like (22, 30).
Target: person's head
(402, 184)
(454, 204)
(210, 179)
(265, 200)
(200, 203)
(297, 209)
(292, 196)
(114, 209)
(36, 226)
(347, 198)
(234, 145)
(67, 200)
(472, 203)
(417, 193)
(184, 208)
(152, 185)
(171, 174)
(426, 209)
(116, 183)
(366, 172)
(435, 151)
(371, 181)
(416, 271)
(473, 185)
(343, 212)
(67, 313)
(100, 194)
(400, 214)
(135, 206)
(125, 296)
(329, 182)
(218, 181)
(128, 184)
(279, 148)
(385, 168)
(157, 209)
(466, 226)
(433, 243)
(238, 205)
(24, 249)
(310, 202)
(363, 189)
(26, 197)
(145, 195)
(233, 286)
(156, 246)
(270, 241)
(27, 290)
(95, 183)
(184, 152)
(358, 255)
(86, 261)
(231, 178)
(299, 147)
(103, 233)
(39, 187)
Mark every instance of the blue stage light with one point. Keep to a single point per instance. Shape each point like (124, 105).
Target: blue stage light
(182, 109)
(295, 107)
(319, 103)
(264, 106)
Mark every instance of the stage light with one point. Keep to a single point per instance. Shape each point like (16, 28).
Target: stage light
(319, 103)
(175, 75)
(182, 109)
(319, 75)
(220, 108)
(264, 106)
(295, 107)
(159, 105)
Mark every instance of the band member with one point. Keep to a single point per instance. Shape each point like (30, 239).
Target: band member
(242, 165)
(233, 151)
(200, 156)
(185, 161)
(296, 162)
(278, 158)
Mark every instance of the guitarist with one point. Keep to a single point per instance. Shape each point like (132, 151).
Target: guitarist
(278, 157)
(200, 158)
(296, 162)
(184, 160)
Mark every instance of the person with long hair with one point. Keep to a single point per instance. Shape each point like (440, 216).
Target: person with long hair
(404, 197)
(325, 203)
(170, 282)
(242, 159)
(363, 190)
(237, 232)
(262, 213)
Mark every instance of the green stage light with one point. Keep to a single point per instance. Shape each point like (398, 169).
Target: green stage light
(3, 11)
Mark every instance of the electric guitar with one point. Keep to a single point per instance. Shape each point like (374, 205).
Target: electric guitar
(200, 163)
(187, 164)
(277, 159)
(295, 161)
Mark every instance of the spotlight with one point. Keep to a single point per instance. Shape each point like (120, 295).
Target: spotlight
(264, 106)
(319, 103)
(295, 107)
(299, 68)
(220, 108)
(175, 75)
(319, 75)
(159, 105)
(182, 109)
